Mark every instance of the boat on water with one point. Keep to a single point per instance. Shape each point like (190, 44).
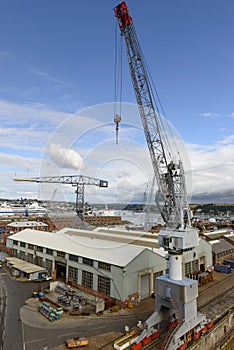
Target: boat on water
(27, 209)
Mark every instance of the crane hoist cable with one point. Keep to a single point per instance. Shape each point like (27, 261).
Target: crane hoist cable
(165, 126)
(118, 83)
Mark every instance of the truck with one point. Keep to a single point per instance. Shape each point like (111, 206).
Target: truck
(76, 342)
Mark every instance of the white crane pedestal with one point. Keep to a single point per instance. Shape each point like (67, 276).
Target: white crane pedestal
(176, 301)
(176, 312)
(175, 295)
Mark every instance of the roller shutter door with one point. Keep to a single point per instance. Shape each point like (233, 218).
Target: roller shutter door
(145, 286)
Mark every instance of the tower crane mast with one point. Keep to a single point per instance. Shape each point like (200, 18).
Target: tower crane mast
(172, 197)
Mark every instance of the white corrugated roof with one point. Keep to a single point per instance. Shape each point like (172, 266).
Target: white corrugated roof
(141, 238)
(69, 241)
(215, 241)
(24, 265)
(27, 224)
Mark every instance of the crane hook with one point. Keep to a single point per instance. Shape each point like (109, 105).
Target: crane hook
(117, 120)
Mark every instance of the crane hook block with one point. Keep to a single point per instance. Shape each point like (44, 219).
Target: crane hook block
(117, 120)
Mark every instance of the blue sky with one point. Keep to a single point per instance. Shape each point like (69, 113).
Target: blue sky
(57, 58)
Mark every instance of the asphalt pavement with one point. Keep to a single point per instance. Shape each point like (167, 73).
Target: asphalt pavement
(3, 299)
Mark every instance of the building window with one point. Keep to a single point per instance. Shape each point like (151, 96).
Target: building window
(61, 254)
(73, 273)
(187, 268)
(22, 244)
(87, 279)
(202, 264)
(104, 284)
(195, 266)
(14, 252)
(39, 261)
(104, 266)
(158, 273)
(30, 258)
(15, 242)
(49, 251)
(88, 261)
(73, 257)
(40, 249)
(49, 265)
(22, 255)
(30, 246)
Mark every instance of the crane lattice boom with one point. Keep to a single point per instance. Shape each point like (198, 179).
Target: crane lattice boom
(171, 198)
(67, 179)
(80, 181)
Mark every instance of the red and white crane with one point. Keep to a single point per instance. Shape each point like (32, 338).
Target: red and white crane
(167, 166)
(171, 199)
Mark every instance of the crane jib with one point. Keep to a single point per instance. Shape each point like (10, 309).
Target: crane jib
(172, 199)
(121, 12)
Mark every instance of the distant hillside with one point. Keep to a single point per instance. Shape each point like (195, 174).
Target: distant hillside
(213, 208)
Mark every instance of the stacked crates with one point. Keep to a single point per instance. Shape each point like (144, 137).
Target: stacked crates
(50, 313)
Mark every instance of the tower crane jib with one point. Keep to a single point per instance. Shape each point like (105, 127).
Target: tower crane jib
(80, 181)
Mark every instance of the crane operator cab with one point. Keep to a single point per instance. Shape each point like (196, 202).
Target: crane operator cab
(178, 240)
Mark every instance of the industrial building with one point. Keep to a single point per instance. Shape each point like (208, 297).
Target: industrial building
(221, 250)
(222, 242)
(16, 226)
(113, 262)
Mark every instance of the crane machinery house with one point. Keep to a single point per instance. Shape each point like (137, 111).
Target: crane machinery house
(117, 263)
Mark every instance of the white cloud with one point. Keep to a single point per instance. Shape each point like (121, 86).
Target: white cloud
(217, 115)
(211, 114)
(47, 76)
(22, 115)
(65, 158)
(229, 140)
(17, 162)
(213, 167)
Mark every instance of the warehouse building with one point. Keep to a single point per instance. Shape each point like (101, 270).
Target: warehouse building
(221, 250)
(16, 226)
(116, 263)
